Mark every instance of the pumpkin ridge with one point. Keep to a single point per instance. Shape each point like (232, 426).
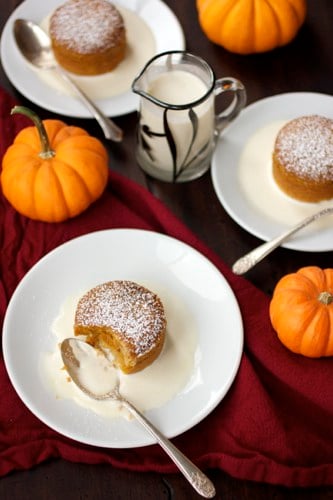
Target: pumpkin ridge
(76, 171)
(329, 344)
(277, 22)
(299, 281)
(209, 11)
(249, 36)
(296, 329)
(82, 181)
(81, 184)
(294, 19)
(328, 281)
(90, 144)
(233, 6)
(252, 32)
(54, 128)
(59, 188)
(316, 276)
(99, 154)
(61, 137)
(21, 141)
(14, 188)
(298, 16)
(327, 337)
(312, 335)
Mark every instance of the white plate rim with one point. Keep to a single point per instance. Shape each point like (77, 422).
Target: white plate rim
(285, 106)
(26, 380)
(168, 34)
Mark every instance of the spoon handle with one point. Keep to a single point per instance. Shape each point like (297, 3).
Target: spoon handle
(110, 129)
(195, 476)
(245, 263)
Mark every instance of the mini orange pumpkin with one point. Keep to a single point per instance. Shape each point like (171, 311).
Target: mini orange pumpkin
(301, 311)
(52, 171)
(249, 26)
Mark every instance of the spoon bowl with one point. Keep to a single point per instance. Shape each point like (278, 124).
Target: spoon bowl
(71, 351)
(35, 46)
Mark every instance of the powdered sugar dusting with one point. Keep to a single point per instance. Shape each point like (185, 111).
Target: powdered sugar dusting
(305, 147)
(133, 311)
(87, 25)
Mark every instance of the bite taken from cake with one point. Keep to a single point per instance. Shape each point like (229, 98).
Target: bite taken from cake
(126, 318)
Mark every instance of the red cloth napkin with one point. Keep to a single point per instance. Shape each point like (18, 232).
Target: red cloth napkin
(275, 423)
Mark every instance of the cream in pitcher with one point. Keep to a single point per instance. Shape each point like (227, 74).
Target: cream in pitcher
(177, 127)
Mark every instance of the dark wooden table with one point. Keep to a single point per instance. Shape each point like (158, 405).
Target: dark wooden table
(304, 65)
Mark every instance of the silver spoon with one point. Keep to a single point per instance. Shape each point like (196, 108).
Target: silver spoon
(245, 263)
(35, 46)
(195, 476)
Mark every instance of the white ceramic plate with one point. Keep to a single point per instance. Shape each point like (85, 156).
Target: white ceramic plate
(144, 257)
(226, 175)
(165, 28)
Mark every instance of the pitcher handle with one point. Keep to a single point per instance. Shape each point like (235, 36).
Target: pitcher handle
(229, 84)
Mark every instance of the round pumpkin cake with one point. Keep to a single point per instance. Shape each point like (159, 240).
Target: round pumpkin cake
(303, 158)
(88, 36)
(126, 318)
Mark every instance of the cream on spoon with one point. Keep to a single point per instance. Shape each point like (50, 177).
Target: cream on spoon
(76, 355)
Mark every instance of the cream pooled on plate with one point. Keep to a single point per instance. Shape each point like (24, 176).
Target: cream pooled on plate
(258, 186)
(150, 388)
(119, 80)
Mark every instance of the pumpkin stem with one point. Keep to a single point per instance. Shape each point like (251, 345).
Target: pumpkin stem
(46, 152)
(325, 297)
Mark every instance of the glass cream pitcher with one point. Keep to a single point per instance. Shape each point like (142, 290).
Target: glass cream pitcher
(178, 127)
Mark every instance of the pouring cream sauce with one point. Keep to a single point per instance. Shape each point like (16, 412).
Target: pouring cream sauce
(147, 389)
(141, 47)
